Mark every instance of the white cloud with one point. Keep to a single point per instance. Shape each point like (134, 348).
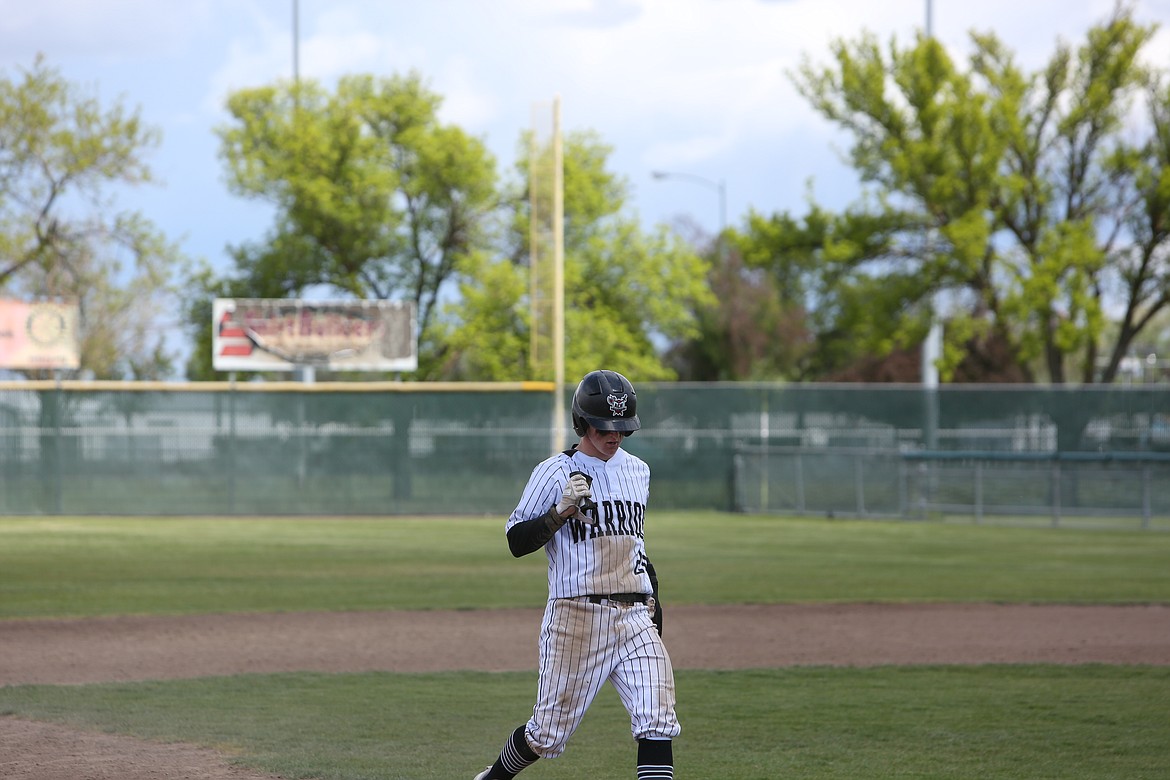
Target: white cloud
(696, 85)
(465, 102)
(111, 30)
(250, 63)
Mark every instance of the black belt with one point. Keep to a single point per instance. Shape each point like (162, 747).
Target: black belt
(628, 599)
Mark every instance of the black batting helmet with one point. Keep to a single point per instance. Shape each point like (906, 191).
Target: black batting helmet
(605, 400)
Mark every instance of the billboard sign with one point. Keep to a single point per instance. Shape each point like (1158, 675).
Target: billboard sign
(39, 335)
(278, 334)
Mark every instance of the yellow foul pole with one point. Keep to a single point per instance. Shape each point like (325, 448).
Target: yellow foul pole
(558, 280)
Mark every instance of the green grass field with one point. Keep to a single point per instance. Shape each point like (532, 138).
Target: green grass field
(917, 722)
(61, 567)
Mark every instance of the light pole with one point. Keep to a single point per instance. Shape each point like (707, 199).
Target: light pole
(296, 34)
(720, 259)
(718, 186)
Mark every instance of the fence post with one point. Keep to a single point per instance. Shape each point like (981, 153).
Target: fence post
(1146, 511)
(1056, 489)
(903, 489)
(978, 492)
(232, 445)
(737, 478)
(765, 433)
(800, 482)
(58, 448)
(859, 484)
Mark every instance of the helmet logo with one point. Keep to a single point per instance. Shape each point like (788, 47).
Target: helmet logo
(617, 404)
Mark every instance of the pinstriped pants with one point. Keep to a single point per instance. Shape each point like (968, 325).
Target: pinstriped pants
(583, 645)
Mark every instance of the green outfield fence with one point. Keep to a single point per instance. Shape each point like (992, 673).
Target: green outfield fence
(1022, 453)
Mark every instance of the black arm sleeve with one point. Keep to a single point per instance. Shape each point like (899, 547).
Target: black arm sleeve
(529, 536)
(657, 601)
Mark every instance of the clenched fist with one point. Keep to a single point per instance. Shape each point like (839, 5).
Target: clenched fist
(576, 489)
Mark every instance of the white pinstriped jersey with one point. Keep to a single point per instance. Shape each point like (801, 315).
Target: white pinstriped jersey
(583, 558)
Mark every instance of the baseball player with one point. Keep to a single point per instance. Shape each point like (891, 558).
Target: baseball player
(587, 508)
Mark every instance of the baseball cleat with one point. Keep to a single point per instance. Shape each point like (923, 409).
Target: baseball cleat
(482, 774)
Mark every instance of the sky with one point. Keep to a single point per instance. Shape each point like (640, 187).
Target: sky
(695, 87)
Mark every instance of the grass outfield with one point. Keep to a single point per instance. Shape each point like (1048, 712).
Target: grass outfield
(63, 567)
(917, 722)
(984, 723)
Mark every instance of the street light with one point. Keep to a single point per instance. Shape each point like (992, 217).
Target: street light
(296, 35)
(718, 186)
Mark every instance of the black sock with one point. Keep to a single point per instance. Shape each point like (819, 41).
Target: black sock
(515, 757)
(655, 759)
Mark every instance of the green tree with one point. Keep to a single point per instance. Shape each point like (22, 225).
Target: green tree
(806, 280)
(374, 196)
(625, 289)
(756, 324)
(62, 157)
(1026, 205)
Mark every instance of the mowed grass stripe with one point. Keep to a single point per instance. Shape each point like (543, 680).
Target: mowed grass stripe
(66, 567)
(988, 722)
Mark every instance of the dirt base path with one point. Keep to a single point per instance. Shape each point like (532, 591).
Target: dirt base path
(699, 637)
(723, 637)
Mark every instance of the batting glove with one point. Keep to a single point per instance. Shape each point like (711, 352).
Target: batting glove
(576, 489)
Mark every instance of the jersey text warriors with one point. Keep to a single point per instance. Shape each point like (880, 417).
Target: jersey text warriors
(605, 551)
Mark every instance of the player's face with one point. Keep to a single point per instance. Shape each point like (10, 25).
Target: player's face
(601, 444)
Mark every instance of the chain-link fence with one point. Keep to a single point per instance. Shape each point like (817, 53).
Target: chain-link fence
(406, 448)
(1114, 489)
